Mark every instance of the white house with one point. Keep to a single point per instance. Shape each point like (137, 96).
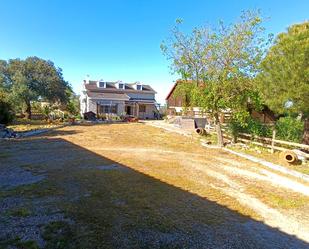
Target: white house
(133, 99)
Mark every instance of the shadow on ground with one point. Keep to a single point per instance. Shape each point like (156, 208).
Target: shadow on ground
(100, 203)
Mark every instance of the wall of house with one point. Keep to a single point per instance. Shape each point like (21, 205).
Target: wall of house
(83, 106)
(120, 108)
(83, 103)
(175, 101)
(91, 105)
(149, 112)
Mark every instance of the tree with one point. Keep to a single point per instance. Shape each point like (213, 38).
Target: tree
(222, 64)
(284, 80)
(73, 105)
(33, 79)
(6, 111)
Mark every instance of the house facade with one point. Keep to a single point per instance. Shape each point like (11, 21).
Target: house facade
(119, 98)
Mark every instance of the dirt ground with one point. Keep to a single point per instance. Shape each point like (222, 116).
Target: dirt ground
(137, 186)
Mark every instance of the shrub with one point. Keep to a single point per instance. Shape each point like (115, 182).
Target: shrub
(234, 128)
(257, 128)
(250, 126)
(6, 110)
(289, 129)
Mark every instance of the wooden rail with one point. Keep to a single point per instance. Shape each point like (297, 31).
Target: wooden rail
(267, 142)
(303, 146)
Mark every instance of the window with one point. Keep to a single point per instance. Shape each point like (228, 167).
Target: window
(108, 109)
(102, 84)
(121, 86)
(142, 108)
(139, 87)
(113, 109)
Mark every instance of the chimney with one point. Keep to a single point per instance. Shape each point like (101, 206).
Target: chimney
(87, 79)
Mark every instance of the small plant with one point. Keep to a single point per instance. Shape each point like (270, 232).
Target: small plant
(20, 212)
(46, 110)
(290, 129)
(58, 234)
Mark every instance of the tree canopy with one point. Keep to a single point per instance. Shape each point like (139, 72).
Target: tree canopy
(222, 62)
(284, 80)
(33, 79)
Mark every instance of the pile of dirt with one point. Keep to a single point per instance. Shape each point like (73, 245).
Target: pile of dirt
(6, 132)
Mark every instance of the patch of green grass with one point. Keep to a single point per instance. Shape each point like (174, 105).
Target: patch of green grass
(18, 243)
(29, 244)
(40, 189)
(4, 155)
(58, 235)
(35, 169)
(20, 212)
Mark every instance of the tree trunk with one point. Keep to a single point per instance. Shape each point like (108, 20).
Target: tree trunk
(218, 129)
(28, 111)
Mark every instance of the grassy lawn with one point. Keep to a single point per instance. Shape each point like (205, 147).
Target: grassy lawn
(127, 186)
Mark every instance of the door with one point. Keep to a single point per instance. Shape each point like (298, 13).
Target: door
(128, 110)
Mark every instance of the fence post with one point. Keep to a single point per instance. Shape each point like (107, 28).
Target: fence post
(273, 141)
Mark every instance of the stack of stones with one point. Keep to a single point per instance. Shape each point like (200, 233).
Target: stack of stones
(6, 132)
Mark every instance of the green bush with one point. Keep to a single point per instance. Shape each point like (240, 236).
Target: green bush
(250, 126)
(6, 111)
(289, 129)
(234, 128)
(257, 128)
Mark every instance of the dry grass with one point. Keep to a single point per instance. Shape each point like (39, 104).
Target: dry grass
(275, 158)
(152, 191)
(278, 198)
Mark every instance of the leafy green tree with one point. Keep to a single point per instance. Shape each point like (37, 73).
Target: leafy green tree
(284, 80)
(33, 79)
(73, 105)
(4, 76)
(221, 63)
(6, 110)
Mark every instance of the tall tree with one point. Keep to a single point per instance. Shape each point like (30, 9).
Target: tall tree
(33, 79)
(73, 105)
(222, 63)
(284, 81)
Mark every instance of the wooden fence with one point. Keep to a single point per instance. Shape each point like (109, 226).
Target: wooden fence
(272, 143)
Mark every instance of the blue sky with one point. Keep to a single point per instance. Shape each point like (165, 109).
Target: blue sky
(119, 40)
